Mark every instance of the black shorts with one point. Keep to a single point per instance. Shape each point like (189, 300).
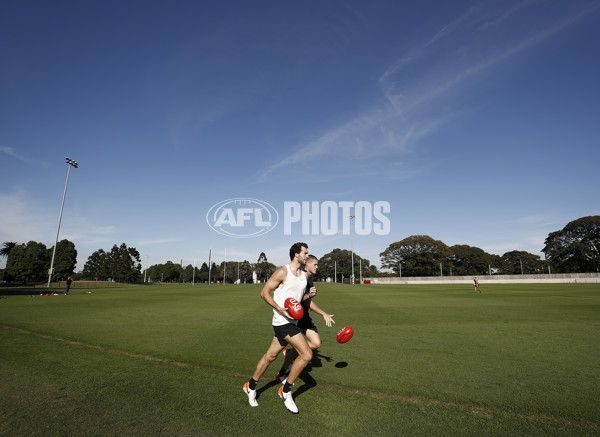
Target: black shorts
(283, 331)
(304, 324)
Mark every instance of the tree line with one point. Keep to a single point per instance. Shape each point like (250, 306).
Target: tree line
(573, 249)
(230, 271)
(30, 263)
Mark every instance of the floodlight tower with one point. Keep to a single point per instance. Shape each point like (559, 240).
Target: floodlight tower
(70, 163)
(352, 245)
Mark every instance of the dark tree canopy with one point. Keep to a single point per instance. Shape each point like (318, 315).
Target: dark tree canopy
(65, 260)
(7, 246)
(511, 263)
(28, 263)
(467, 260)
(340, 261)
(576, 247)
(121, 264)
(420, 255)
(264, 269)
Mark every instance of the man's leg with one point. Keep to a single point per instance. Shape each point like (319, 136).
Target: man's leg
(263, 364)
(304, 356)
(250, 387)
(314, 342)
(290, 356)
(314, 339)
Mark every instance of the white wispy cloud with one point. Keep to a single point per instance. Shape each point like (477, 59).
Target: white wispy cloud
(462, 50)
(415, 87)
(27, 159)
(372, 134)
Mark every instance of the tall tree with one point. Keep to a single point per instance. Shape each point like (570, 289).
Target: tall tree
(126, 264)
(97, 267)
(575, 248)
(7, 246)
(420, 255)
(510, 263)
(167, 272)
(264, 269)
(245, 272)
(122, 264)
(64, 260)
(468, 260)
(203, 273)
(28, 262)
(339, 261)
(214, 273)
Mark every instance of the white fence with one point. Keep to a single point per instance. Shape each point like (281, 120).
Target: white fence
(563, 278)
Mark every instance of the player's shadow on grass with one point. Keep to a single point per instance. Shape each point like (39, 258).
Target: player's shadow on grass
(309, 381)
(305, 377)
(265, 388)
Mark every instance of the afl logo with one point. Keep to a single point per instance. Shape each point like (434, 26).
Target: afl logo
(242, 218)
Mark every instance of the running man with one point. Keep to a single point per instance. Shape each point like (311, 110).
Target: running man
(476, 284)
(287, 281)
(306, 324)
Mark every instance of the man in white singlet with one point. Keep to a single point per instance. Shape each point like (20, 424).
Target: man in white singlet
(287, 281)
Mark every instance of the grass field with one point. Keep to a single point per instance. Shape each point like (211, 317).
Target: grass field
(425, 360)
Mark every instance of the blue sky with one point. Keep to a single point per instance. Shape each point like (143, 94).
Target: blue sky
(478, 121)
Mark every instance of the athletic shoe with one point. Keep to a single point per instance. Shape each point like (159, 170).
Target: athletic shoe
(285, 351)
(281, 378)
(251, 395)
(288, 400)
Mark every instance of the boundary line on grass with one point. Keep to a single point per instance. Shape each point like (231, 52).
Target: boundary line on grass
(485, 412)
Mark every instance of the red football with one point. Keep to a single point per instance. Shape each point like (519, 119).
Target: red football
(294, 308)
(345, 334)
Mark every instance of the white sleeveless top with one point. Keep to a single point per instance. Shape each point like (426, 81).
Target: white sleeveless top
(293, 286)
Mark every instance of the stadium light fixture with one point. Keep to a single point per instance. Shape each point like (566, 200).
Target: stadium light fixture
(71, 163)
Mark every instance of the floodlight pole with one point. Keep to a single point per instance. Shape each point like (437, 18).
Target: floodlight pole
(209, 265)
(146, 269)
(225, 266)
(70, 163)
(360, 271)
(352, 246)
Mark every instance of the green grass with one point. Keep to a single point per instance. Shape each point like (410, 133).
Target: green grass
(425, 360)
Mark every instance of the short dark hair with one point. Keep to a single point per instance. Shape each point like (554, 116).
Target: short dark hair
(311, 257)
(296, 248)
